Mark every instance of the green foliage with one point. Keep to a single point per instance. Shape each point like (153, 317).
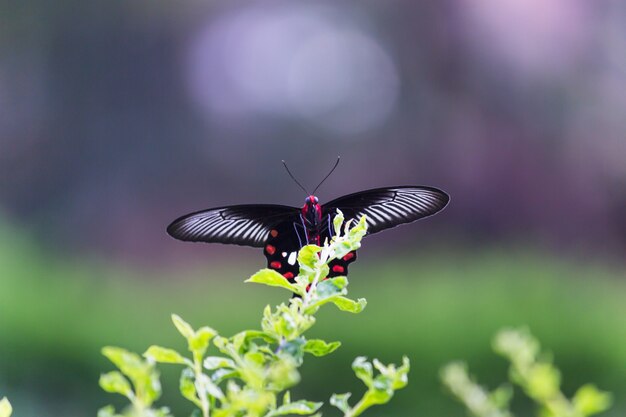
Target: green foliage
(533, 372)
(251, 372)
(380, 388)
(137, 380)
(5, 408)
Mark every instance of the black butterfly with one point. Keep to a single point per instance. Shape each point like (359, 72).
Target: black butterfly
(283, 230)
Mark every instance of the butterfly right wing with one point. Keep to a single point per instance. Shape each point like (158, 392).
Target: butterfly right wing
(246, 225)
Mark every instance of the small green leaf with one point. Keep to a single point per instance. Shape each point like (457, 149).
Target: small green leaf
(380, 394)
(108, 411)
(128, 362)
(5, 408)
(297, 407)
(502, 396)
(220, 342)
(341, 401)
(164, 355)
(286, 398)
(329, 288)
(363, 370)
(273, 279)
(351, 306)
(589, 400)
(337, 222)
(256, 358)
(294, 347)
(215, 362)
(188, 386)
(163, 412)
(308, 258)
(204, 384)
(222, 374)
(199, 342)
(544, 381)
(115, 383)
(319, 347)
(183, 327)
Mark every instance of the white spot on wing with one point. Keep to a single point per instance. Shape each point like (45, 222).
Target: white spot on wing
(292, 258)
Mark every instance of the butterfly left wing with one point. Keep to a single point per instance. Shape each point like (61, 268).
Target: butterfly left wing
(282, 245)
(246, 225)
(389, 207)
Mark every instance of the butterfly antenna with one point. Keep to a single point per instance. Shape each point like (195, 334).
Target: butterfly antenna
(327, 175)
(294, 178)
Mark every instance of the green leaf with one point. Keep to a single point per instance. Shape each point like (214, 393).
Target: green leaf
(114, 382)
(502, 396)
(294, 347)
(256, 358)
(273, 279)
(319, 347)
(165, 355)
(199, 342)
(183, 327)
(589, 400)
(351, 306)
(108, 411)
(128, 362)
(204, 384)
(308, 258)
(163, 412)
(363, 370)
(380, 394)
(544, 381)
(283, 373)
(220, 342)
(5, 408)
(188, 386)
(337, 222)
(286, 398)
(341, 401)
(222, 374)
(215, 362)
(397, 376)
(141, 373)
(301, 407)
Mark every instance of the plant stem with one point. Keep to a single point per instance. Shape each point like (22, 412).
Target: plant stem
(200, 388)
(357, 409)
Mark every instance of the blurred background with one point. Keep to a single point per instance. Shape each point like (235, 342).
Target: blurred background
(117, 117)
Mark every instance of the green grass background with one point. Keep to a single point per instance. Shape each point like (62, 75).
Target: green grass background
(434, 305)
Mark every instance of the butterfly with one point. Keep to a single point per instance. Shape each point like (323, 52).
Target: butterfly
(282, 230)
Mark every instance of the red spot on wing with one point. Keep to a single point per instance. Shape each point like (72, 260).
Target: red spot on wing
(348, 256)
(288, 275)
(275, 265)
(338, 269)
(270, 249)
(273, 232)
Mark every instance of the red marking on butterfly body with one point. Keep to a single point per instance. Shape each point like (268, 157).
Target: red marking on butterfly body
(270, 249)
(275, 265)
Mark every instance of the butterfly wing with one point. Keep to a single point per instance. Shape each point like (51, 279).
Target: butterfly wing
(282, 245)
(246, 225)
(389, 207)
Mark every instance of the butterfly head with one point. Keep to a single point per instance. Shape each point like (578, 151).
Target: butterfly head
(312, 211)
(311, 200)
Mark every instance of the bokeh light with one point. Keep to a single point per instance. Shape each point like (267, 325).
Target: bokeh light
(300, 61)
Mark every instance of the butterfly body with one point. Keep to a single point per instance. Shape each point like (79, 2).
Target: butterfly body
(283, 230)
